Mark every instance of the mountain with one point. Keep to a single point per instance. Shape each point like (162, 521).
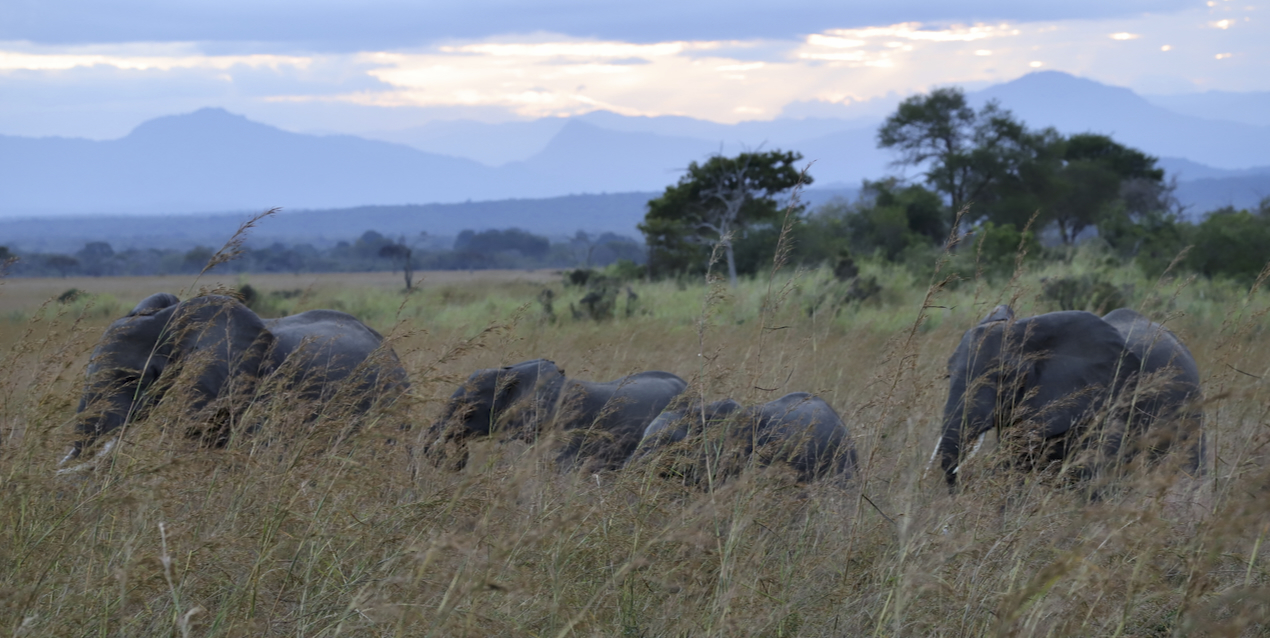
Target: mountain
(492, 144)
(497, 144)
(211, 160)
(1252, 107)
(781, 132)
(603, 160)
(1204, 195)
(1186, 170)
(1077, 105)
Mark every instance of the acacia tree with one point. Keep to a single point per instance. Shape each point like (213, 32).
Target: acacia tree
(400, 253)
(716, 200)
(1079, 182)
(965, 151)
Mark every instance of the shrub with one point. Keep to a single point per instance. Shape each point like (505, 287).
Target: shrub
(1086, 292)
(1232, 243)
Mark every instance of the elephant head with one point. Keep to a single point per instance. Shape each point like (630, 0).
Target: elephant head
(1047, 375)
(216, 337)
(673, 424)
(508, 399)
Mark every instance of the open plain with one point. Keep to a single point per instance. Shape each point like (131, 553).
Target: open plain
(318, 530)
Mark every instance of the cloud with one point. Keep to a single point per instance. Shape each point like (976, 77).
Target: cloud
(537, 74)
(330, 25)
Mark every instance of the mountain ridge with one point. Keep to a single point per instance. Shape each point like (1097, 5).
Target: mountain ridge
(211, 160)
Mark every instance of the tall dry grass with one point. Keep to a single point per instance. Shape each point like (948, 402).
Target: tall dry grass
(313, 528)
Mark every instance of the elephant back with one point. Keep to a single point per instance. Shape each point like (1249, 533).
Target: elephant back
(154, 303)
(1073, 363)
(1156, 346)
(318, 349)
(805, 432)
(604, 421)
(1167, 406)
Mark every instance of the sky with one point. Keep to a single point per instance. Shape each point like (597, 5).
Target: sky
(89, 68)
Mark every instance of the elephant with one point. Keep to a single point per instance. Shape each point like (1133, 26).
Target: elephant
(228, 355)
(1088, 390)
(600, 422)
(799, 429)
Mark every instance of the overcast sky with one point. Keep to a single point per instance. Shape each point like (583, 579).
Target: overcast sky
(96, 69)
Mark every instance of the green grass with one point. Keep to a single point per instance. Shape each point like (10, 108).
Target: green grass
(288, 533)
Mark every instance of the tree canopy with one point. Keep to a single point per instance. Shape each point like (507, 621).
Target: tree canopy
(965, 152)
(713, 203)
(1007, 173)
(1075, 183)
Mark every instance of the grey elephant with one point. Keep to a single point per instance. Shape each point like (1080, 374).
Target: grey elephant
(799, 430)
(600, 422)
(222, 356)
(1072, 387)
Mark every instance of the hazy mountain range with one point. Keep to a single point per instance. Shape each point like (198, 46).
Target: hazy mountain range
(210, 161)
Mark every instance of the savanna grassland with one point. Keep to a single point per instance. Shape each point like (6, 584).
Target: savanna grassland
(314, 529)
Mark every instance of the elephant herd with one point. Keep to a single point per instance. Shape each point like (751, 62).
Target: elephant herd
(1068, 390)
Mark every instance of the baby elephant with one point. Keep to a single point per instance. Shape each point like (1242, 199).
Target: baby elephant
(798, 429)
(600, 422)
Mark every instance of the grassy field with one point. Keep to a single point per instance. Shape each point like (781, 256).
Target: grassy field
(288, 534)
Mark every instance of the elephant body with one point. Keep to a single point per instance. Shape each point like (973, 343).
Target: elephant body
(601, 421)
(218, 351)
(799, 430)
(1070, 382)
(323, 351)
(606, 420)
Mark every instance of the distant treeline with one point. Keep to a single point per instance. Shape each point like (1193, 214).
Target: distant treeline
(512, 248)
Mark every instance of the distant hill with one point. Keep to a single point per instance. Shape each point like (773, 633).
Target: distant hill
(1076, 105)
(1246, 108)
(492, 144)
(556, 217)
(212, 161)
(1206, 195)
(604, 160)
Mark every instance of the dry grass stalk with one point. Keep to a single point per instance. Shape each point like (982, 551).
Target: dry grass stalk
(311, 522)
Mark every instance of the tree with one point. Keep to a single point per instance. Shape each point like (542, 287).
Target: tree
(713, 202)
(61, 263)
(400, 253)
(94, 257)
(965, 151)
(503, 241)
(886, 220)
(1232, 243)
(197, 258)
(1092, 181)
(1012, 173)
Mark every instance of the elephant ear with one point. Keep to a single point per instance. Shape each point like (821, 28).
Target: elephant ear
(506, 383)
(153, 304)
(1072, 361)
(222, 336)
